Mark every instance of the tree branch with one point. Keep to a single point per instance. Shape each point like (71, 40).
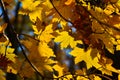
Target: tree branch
(9, 31)
(12, 36)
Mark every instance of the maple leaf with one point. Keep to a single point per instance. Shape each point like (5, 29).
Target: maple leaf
(65, 40)
(81, 55)
(33, 11)
(40, 48)
(59, 69)
(107, 66)
(8, 52)
(39, 55)
(44, 50)
(43, 64)
(46, 35)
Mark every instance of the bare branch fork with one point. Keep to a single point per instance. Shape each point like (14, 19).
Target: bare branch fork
(12, 36)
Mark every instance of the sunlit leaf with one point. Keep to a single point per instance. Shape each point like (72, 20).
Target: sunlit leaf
(59, 69)
(33, 11)
(66, 40)
(46, 35)
(40, 54)
(81, 55)
(45, 50)
(8, 52)
(107, 67)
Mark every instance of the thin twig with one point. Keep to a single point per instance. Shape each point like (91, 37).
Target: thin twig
(29, 61)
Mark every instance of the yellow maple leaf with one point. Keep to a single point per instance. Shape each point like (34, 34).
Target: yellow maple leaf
(107, 67)
(42, 64)
(65, 40)
(39, 55)
(44, 50)
(81, 55)
(46, 35)
(59, 69)
(7, 52)
(33, 11)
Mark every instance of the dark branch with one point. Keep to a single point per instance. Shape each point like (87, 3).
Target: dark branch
(12, 36)
(9, 31)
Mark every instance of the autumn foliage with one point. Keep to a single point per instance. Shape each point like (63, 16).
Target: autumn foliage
(70, 40)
